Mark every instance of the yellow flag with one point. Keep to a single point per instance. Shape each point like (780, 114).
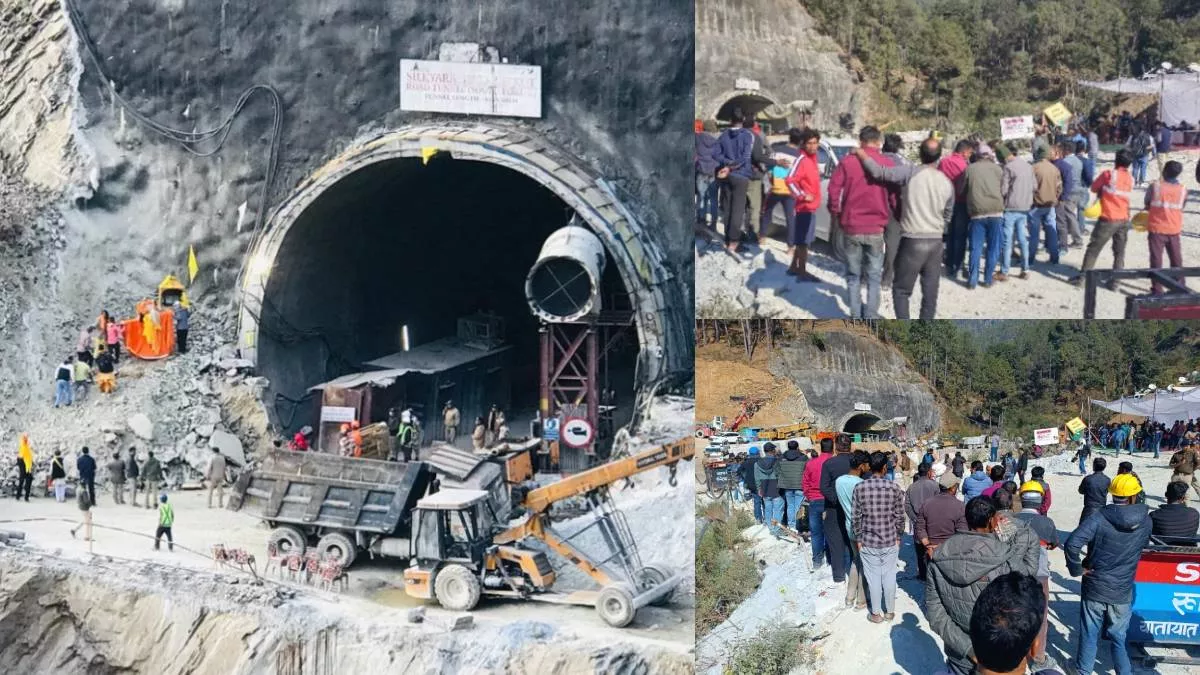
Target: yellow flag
(426, 153)
(193, 266)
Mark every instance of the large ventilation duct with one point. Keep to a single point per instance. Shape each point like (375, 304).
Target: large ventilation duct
(564, 283)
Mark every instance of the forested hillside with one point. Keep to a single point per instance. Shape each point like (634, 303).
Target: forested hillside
(975, 60)
(1030, 373)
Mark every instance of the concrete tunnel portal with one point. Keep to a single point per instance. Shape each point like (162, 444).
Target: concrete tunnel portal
(859, 422)
(392, 239)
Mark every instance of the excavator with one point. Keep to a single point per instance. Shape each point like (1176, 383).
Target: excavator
(460, 552)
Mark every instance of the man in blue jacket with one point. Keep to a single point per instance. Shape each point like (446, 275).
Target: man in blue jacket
(706, 174)
(1115, 536)
(977, 482)
(747, 474)
(733, 153)
(86, 465)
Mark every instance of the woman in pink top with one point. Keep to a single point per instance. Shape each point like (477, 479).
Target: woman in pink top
(113, 339)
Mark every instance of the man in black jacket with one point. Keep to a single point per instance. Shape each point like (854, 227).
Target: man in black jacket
(791, 473)
(1094, 489)
(836, 537)
(58, 474)
(133, 477)
(746, 470)
(86, 465)
(1115, 535)
(1176, 518)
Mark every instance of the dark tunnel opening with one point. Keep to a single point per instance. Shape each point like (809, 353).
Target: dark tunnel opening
(755, 105)
(399, 244)
(860, 423)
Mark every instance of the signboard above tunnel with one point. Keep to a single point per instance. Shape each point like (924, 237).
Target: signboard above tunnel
(471, 88)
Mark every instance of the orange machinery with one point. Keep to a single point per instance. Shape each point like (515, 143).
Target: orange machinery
(151, 335)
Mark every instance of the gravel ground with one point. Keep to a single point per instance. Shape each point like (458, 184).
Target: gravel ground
(758, 285)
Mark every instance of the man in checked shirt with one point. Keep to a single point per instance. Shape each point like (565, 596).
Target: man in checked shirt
(878, 516)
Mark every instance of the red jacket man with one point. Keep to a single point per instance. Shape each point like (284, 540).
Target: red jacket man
(862, 204)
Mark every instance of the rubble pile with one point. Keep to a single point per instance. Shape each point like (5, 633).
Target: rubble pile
(180, 408)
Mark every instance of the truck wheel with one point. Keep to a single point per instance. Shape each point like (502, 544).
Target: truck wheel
(287, 540)
(651, 576)
(339, 547)
(456, 588)
(615, 605)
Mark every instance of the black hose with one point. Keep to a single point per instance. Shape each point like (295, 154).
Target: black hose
(189, 140)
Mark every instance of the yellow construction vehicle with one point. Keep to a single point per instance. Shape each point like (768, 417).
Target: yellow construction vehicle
(783, 432)
(460, 553)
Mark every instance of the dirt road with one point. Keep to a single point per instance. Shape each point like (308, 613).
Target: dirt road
(375, 585)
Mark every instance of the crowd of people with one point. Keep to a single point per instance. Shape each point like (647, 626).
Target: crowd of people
(979, 534)
(974, 210)
(128, 477)
(98, 353)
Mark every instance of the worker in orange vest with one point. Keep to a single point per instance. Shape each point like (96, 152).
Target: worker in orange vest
(1115, 189)
(1164, 203)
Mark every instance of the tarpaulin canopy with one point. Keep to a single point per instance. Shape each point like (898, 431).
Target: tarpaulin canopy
(1162, 406)
(1180, 94)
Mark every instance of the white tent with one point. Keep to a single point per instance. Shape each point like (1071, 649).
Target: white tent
(1180, 94)
(1163, 406)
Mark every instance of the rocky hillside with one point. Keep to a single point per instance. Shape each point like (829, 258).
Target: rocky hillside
(776, 43)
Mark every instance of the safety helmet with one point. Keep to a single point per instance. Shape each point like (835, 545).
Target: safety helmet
(1032, 486)
(1124, 485)
(354, 424)
(163, 498)
(753, 450)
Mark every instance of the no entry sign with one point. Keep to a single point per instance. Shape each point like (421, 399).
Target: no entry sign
(577, 432)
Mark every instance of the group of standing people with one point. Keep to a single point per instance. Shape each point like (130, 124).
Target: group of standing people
(971, 533)
(966, 213)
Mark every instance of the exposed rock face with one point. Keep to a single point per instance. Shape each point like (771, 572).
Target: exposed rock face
(616, 79)
(775, 43)
(848, 369)
(121, 617)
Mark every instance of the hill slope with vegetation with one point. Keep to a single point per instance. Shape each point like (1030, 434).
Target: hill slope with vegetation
(976, 60)
(1027, 374)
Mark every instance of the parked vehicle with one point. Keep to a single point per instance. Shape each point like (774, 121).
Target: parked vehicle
(829, 155)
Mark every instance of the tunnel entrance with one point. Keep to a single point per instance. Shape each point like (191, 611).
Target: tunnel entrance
(859, 422)
(402, 241)
(756, 104)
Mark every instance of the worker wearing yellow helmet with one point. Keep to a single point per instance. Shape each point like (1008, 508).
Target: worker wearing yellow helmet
(1115, 536)
(1125, 485)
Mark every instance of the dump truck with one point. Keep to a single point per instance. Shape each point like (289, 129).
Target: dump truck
(350, 506)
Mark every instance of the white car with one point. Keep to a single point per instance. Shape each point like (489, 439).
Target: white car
(725, 438)
(831, 153)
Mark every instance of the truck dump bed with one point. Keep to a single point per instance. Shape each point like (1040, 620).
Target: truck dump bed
(312, 489)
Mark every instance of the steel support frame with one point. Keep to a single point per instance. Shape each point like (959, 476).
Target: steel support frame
(570, 371)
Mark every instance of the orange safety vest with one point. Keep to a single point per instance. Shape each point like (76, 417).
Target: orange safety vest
(1115, 194)
(1166, 208)
(358, 442)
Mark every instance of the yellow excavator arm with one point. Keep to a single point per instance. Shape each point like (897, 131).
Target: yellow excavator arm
(539, 500)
